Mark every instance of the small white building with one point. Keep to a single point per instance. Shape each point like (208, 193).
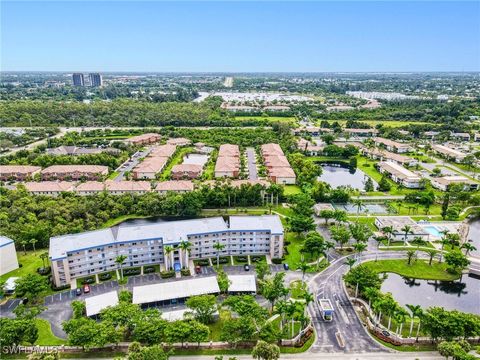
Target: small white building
(8, 255)
(242, 284)
(95, 304)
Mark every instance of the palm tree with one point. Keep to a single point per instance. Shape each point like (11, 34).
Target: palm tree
(168, 251)
(281, 309)
(400, 315)
(309, 298)
(219, 247)
(185, 246)
(120, 260)
(388, 231)
(410, 255)
(468, 247)
(43, 257)
(359, 205)
(350, 262)
(371, 293)
(303, 267)
(431, 253)
(445, 241)
(406, 230)
(413, 310)
(33, 242)
(360, 248)
(24, 244)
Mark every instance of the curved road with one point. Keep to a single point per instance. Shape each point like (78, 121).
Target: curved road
(345, 325)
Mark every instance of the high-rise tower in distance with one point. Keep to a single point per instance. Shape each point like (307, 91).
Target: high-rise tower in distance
(78, 79)
(96, 79)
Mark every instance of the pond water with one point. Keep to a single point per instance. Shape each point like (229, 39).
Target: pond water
(340, 176)
(463, 294)
(474, 235)
(195, 159)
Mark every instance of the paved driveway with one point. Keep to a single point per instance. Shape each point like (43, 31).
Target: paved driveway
(251, 164)
(131, 163)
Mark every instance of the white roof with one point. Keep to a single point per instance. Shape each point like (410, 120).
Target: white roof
(263, 222)
(242, 283)
(59, 245)
(174, 315)
(5, 240)
(173, 231)
(95, 304)
(175, 290)
(10, 284)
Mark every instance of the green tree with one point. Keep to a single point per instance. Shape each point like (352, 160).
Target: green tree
(223, 281)
(364, 277)
(177, 331)
(203, 306)
(120, 261)
(78, 308)
(17, 331)
(340, 234)
(369, 185)
(431, 254)
(406, 231)
(31, 286)
(384, 185)
(138, 352)
(265, 351)
(199, 332)
(219, 247)
(456, 260)
(274, 288)
(299, 223)
(88, 333)
(262, 269)
(411, 254)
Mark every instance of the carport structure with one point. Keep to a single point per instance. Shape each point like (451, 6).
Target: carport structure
(174, 291)
(95, 304)
(242, 284)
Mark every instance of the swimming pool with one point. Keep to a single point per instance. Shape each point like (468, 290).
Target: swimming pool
(433, 230)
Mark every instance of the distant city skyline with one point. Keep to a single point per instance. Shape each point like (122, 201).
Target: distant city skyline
(234, 37)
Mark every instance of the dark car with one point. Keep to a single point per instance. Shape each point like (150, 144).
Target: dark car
(198, 269)
(286, 267)
(86, 289)
(246, 267)
(78, 291)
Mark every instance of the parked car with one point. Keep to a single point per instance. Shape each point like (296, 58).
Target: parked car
(198, 269)
(86, 289)
(246, 267)
(78, 291)
(286, 267)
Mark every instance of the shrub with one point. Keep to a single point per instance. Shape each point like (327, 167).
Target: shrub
(88, 280)
(277, 261)
(167, 274)
(242, 259)
(131, 271)
(44, 270)
(148, 269)
(105, 276)
(256, 258)
(203, 262)
(185, 272)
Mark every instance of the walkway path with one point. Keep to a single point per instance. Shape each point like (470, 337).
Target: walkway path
(251, 164)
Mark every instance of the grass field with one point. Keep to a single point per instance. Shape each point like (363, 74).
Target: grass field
(45, 335)
(175, 160)
(418, 269)
(386, 123)
(30, 262)
(292, 190)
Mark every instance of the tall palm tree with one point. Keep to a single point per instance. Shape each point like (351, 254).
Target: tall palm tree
(413, 311)
(350, 262)
(359, 205)
(168, 251)
(281, 309)
(219, 247)
(309, 298)
(400, 315)
(360, 248)
(445, 241)
(120, 260)
(371, 293)
(410, 256)
(33, 242)
(468, 247)
(388, 231)
(303, 267)
(185, 246)
(24, 245)
(406, 230)
(43, 257)
(431, 253)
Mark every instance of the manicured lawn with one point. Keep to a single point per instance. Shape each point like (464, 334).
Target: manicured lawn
(292, 190)
(31, 261)
(418, 269)
(113, 175)
(216, 327)
(297, 289)
(293, 259)
(45, 335)
(175, 160)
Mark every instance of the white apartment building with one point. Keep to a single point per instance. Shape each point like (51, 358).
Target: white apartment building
(8, 255)
(449, 153)
(79, 255)
(399, 174)
(391, 145)
(442, 183)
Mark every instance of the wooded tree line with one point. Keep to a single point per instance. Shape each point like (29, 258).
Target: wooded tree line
(25, 217)
(121, 112)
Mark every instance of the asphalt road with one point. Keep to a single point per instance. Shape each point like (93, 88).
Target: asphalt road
(131, 163)
(252, 164)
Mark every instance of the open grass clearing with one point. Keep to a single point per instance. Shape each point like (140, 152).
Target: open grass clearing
(45, 334)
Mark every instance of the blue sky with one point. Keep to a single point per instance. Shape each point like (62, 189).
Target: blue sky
(240, 36)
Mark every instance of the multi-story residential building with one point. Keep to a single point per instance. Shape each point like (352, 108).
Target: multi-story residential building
(149, 167)
(179, 141)
(144, 139)
(460, 136)
(49, 188)
(127, 187)
(178, 186)
(384, 155)
(78, 79)
(449, 153)
(442, 183)
(391, 145)
(74, 172)
(361, 132)
(18, 172)
(78, 255)
(95, 79)
(163, 151)
(8, 255)
(75, 151)
(400, 175)
(228, 161)
(186, 171)
(278, 167)
(90, 188)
